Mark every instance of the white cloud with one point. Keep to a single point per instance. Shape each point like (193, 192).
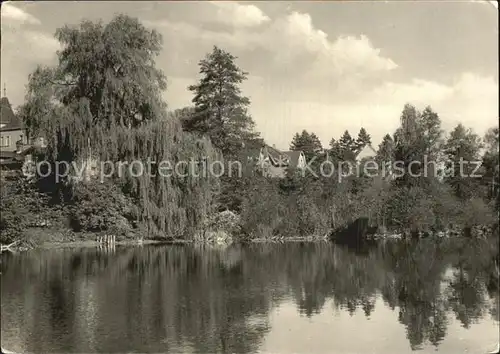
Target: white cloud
(30, 45)
(180, 32)
(475, 102)
(11, 13)
(239, 15)
(418, 91)
(291, 48)
(359, 53)
(303, 79)
(471, 100)
(294, 36)
(23, 46)
(22, 51)
(42, 45)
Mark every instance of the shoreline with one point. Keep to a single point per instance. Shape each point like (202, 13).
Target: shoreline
(48, 245)
(290, 239)
(91, 243)
(80, 242)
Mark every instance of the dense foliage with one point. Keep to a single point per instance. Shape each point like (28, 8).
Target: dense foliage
(103, 102)
(442, 196)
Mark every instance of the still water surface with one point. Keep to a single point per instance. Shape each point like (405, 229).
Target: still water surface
(300, 298)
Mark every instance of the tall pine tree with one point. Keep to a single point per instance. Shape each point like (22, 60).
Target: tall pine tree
(348, 147)
(363, 139)
(385, 152)
(307, 142)
(334, 152)
(220, 109)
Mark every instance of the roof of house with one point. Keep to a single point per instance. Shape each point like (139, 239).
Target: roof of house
(275, 153)
(294, 157)
(282, 158)
(276, 157)
(367, 151)
(8, 120)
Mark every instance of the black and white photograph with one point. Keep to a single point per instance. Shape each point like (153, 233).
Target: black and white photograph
(296, 177)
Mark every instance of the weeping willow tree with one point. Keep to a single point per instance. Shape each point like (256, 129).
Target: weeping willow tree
(106, 78)
(179, 198)
(107, 92)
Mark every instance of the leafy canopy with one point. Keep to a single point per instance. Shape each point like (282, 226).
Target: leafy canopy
(104, 99)
(106, 77)
(307, 142)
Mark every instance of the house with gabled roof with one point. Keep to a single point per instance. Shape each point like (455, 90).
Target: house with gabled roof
(11, 128)
(12, 136)
(15, 146)
(274, 163)
(368, 151)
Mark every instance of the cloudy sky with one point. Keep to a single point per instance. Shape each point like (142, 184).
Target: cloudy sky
(321, 66)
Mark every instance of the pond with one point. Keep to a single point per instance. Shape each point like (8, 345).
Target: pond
(276, 298)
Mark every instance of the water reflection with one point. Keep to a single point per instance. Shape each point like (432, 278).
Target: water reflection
(205, 300)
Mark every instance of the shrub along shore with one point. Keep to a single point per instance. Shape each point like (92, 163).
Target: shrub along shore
(32, 226)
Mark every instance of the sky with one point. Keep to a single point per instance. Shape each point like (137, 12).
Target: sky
(325, 67)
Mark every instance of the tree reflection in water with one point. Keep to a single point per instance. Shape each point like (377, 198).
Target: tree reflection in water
(201, 299)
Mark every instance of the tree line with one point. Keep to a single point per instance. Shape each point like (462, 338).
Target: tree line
(104, 99)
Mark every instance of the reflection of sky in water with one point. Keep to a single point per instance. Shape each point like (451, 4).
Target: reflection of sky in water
(276, 299)
(382, 333)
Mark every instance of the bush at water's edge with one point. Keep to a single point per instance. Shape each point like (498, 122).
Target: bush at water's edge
(33, 218)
